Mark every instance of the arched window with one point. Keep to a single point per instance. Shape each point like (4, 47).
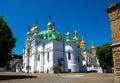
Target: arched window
(48, 56)
(38, 57)
(69, 56)
(78, 59)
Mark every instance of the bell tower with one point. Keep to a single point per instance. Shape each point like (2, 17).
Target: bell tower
(114, 17)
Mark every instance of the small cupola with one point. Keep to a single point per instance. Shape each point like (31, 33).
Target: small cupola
(82, 43)
(92, 47)
(50, 24)
(75, 38)
(28, 34)
(68, 35)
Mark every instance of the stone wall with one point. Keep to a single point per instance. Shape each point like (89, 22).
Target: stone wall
(114, 17)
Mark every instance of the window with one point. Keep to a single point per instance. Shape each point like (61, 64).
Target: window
(78, 59)
(69, 70)
(38, 57)
(47, 70)
(59, 62)
(46, 36)
(48, 56)
(69, 56)
(28, 52)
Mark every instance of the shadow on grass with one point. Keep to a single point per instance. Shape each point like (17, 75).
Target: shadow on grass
(12, 77)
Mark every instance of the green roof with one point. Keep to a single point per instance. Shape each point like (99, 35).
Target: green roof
(47, 35)
(69, 40)
(46, 32)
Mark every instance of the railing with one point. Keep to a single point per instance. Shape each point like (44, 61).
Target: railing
(97, 69)
(16, 66)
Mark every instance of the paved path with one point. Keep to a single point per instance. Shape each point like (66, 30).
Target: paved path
(13, 77)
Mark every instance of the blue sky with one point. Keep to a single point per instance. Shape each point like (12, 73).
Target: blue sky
(89, 16)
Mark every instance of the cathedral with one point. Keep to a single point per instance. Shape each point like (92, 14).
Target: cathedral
(48, 51)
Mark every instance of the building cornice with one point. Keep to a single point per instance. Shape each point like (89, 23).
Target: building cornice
(115, 44)
(112, 7)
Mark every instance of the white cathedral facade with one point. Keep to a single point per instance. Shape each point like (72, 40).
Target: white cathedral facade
(49, 52)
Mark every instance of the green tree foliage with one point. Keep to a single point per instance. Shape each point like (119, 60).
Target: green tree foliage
(7, 42)
(104, 54)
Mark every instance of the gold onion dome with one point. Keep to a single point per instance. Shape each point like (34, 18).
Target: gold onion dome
(84, 53)
(75, 38)
(49, 25)
(28, 34)
(92, 47)
(68, 34)
(32, 29)
(35, 28)
(82, 43)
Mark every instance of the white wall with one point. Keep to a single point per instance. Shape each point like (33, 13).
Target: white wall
(71, 64)
(58, 53)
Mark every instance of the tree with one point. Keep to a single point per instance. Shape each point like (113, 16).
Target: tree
(104, 54)
(7, 42)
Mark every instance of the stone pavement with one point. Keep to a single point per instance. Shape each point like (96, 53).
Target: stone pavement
(13, 77)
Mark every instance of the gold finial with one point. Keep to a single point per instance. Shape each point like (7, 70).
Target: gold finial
(92, 47)
(35, 27)
(68, 34)
(28, 34)
(32, 29)
(50, 25)
(75, 38)
(82, 43)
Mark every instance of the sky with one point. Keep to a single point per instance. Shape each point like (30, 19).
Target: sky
(88, 16)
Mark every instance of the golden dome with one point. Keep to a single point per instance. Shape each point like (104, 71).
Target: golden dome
(35, 28)
(49, 25)
(75, 38)
(84, 53)
(92, 47)
(68, 34)
(28, 34)
(32, 29)
(82, 43)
